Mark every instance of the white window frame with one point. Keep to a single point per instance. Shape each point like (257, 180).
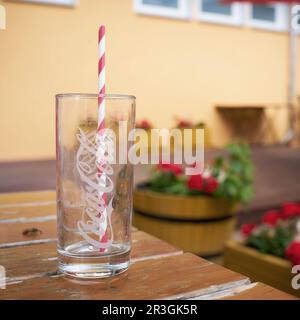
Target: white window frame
(295, 14)
(182, 12)
(68, 3)
(236, 18)
(2, 27)
(280, 23)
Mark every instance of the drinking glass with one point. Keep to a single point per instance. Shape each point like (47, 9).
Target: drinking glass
(94, 184)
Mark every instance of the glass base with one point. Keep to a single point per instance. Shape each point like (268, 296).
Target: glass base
(96, 267)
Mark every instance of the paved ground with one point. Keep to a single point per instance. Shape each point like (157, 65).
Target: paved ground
(277, 177)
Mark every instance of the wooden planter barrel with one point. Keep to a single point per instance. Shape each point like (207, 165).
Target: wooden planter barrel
(261, 267)
(200, 225)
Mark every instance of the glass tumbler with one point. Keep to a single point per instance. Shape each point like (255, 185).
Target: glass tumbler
(94, 184)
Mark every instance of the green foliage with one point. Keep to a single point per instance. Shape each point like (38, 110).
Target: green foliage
(200, 125)
(166, 182)
(234, 173)
(272, 240)
(238, 169)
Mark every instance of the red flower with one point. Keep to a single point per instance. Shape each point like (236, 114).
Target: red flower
(195, 182)
(210, 185)
(293, 252)
(169, 167)
(271, 217)
(290, 210)
(184, 124)
(144, 124)
(247, 229)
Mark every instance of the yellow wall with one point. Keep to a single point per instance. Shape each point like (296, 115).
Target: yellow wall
(173, 67)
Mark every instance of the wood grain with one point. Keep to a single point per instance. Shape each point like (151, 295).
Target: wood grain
(181, 207)
(205, 239)
(158, 270)
(150, 279)
(17, 198)
(14, 206)
(14, 231)
(260, 267)
(260, 291)
(26, 211)
(40, 259)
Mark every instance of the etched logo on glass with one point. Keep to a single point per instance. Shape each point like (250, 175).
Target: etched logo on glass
(96, 156)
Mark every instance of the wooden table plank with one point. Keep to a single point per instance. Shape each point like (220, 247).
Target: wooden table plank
(157, 270)
(27, 205)
(25, 212)
(39, 260)
(17, 198)
(259, 291)
(14, 231)
(174, 276)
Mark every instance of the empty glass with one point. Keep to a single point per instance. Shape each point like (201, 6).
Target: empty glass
(94, 184)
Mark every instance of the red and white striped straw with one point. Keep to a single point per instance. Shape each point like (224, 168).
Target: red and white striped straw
(101, 109)
(101, 77)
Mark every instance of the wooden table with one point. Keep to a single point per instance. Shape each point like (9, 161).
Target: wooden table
(158, 270)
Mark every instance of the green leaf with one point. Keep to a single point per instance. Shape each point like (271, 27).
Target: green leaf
(238, 168)
(272, 240)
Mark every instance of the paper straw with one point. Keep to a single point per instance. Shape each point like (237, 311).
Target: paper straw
(101, 78)
(101, 112)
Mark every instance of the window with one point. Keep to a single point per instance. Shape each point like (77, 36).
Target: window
(214, 11)
(2, 22)
(166, 8)
(162, 3)
(211, 6)
(269, 17)
(56, 2)
(263, 16)
(263, 13)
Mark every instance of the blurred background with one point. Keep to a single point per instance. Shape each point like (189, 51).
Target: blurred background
(232, 68)
(178, 61)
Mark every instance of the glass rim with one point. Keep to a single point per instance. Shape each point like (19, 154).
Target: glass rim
(95, 95)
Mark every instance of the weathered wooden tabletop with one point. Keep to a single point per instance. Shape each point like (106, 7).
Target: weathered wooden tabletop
(157, 271)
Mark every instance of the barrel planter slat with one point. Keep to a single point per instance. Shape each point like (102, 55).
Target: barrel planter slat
(266, 268)
(197, 224)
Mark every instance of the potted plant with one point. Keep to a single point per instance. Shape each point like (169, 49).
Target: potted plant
(267, 251)
(195, 213)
